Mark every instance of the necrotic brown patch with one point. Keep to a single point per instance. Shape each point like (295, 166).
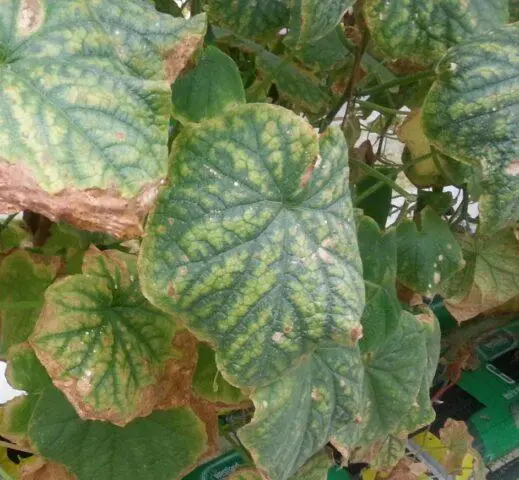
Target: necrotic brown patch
(30, 17)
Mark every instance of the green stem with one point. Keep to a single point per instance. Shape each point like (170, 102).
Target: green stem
(370, 191)
(380, 108)
(4, 475)
(7, 221)
(195, 7)
(380, 176)
(397, 82)
(229, 436)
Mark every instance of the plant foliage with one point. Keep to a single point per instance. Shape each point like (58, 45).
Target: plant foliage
(243, 208)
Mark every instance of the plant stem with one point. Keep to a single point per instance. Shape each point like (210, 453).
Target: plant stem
(195, 7)
(14, 447)
(397, 82)
(380, 108)
(385, 179)
(7, 221)
(4, 475)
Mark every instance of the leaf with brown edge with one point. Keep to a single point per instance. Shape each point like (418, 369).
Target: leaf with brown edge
(102, 342)
(455, 436)
(85, 94)
(40, 469)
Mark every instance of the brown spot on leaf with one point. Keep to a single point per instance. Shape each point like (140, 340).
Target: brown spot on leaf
(176, 59)
(356, 334)
(172, 292)
(305, 178)
(30, 17)
(120, 136)
(90, 209)
(513, 168)
(40, 469)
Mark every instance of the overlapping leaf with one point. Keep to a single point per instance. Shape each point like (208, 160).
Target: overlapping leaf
(254, 243)
(101, 341)
(85, 107)
(162, 446)
(213, 85)
(423, 30)
(428, 254)
(490, 277)
(472, 112)
(23, 279)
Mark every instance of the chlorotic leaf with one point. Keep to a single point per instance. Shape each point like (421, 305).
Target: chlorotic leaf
(427, 255)
(208, 382)
(250, 18)
(254, 243)
(304, 409)
(246, 473)
(162, 446)
(311, 20)
(24, 277)
(490, 277)
(471, 115)
(102, 343)
(209, 88)
(85, 90)
(381, 454)
(423, 30)
(382, 312)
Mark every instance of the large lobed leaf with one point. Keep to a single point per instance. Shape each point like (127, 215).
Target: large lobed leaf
(101, 341)
(85, 96)
(472, 113)
(423, 30)
(254, 242)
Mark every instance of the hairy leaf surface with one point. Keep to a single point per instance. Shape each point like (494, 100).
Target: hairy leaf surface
(85, 107)
(209, 88)
(427, 255)
(103, 451)
(254, 243)
(101, 341)
(472, 112)
(423, 30)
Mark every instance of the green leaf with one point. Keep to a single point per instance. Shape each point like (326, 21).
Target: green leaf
(11, 236)
(85, 102)
(490, 277)
(428, 254)
(422, 31)
(250, 18)
(213, 85)
(168, 6)
(382, 312)
(208, 382)
(325, 54)
(513, 7)
(311, 20)
(316, 468)
(471, 114)
(24, 277)
(24, 372)
(162, 446)
(378, 204)
(101, 341)
(382, 454)
(297, 415)
(254, 243)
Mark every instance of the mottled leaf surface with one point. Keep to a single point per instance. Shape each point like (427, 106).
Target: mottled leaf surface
(472, 112)
(311, 20)
(382, 311)
(490, 277)
(101, 341)
(316, 468)
(209, 88)
(23, 279)
(423, 30)
(85, 107)
(250, 18)
(103, 451)
(296, 416)
(427, 254)
(254, 243)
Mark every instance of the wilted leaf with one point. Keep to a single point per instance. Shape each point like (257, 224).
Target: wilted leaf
(311, 20)
(422, 31)
(162, 446)
(471, 114)
(40, 469)
(213, 85)
(250, 18)
(85, 107)
(455, 436)
(381, 454)
(427, 255)
(382, 311)
(208, 382)
(490, 277)
(101, 341)
(23, 279)
(255, 242)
